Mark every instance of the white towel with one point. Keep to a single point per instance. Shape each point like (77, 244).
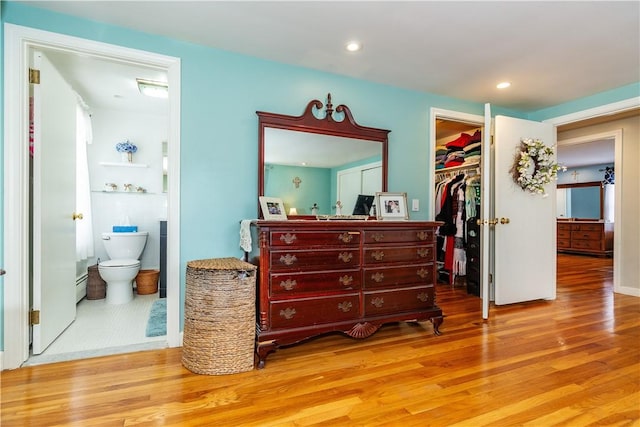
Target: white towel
(245, 234)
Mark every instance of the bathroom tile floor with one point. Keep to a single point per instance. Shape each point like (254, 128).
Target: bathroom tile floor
(101, 329)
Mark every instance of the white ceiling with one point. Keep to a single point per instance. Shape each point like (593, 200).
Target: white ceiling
(552, 52)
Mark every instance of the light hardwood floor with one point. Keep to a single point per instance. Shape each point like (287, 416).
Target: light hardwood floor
(574, 361)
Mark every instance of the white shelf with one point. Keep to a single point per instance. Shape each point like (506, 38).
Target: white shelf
(125, 164)
(122, 192)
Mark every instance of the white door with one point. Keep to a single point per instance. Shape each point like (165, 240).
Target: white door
(524, 263)
(349, 185)
(53, 201)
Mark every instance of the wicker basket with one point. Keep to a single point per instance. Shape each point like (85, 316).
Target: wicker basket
(219, 319)
(96, 287)
(147, 282)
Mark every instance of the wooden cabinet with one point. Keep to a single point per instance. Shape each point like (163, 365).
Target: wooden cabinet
(585, 237)
(352, 277)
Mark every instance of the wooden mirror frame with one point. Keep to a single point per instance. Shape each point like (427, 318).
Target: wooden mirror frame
(308, 122)
(583, 185)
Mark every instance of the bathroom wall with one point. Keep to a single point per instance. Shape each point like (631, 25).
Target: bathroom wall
(144, 209)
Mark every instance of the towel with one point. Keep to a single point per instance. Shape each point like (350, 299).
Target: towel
(245, 234)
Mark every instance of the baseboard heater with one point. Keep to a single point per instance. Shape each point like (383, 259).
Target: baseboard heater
(81, 286)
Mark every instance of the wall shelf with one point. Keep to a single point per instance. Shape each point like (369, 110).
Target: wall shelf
(125, 165)
(122, 192)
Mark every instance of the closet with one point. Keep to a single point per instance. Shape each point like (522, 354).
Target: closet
(457, 203)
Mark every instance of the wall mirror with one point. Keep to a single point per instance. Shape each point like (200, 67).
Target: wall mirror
(581, 201)
(314, 160)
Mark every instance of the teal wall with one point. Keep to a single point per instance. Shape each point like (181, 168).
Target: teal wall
(221, 91)
(314, 187)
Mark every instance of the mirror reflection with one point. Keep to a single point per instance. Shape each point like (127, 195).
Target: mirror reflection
(582, 201)
(318, 164)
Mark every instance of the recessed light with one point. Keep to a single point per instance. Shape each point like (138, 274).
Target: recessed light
(353, 46)
(503, 85)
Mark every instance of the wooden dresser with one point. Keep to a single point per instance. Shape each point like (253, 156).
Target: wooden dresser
(342, 276)
(585, 237)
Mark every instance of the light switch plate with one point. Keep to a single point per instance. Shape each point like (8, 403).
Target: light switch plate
(415, 205)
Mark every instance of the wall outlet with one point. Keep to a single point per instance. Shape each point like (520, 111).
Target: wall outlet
(415, 205)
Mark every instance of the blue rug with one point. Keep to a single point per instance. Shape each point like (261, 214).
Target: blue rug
(157, 323)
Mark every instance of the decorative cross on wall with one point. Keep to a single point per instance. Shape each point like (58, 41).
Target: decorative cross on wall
(297, 181)
(575, 175)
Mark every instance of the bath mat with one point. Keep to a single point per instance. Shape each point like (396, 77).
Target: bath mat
(157, 323)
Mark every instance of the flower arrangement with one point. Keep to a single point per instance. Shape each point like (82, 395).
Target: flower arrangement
(126, 147)
(534, 166)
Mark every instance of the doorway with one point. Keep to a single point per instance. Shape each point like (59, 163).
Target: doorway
(18, 41)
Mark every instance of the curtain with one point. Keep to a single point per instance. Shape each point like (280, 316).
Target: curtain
(84, 227)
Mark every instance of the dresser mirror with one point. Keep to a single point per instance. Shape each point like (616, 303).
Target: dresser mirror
(581, 201)
(314, 160)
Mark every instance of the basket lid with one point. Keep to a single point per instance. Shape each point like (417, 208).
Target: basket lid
(234, 264)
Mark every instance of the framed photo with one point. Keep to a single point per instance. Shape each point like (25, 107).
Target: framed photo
(392, 206)
(272, 208)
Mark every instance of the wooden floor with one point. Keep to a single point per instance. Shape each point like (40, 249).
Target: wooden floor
(574, 361)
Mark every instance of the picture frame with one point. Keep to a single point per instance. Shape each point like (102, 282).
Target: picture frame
(392, 206)
(272, 208)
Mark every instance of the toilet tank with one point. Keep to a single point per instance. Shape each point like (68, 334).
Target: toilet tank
(124, 245)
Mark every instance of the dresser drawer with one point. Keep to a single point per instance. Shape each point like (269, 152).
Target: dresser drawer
(586, 235)
(587, 227)
(586, 244)
(398, 300)
(333, 259)
(312, 311)
(398, 236)
(386, 277)
(294, 284)
(397, 254)
(564, 243)
(564, 234)
(306, 238)
(564, 227)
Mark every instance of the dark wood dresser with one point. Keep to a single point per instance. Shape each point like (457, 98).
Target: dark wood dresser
(343, 276)
(585, 237)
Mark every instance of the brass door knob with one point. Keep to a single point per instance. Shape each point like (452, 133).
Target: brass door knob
(493, 221)
(76, 216)
(504, 220)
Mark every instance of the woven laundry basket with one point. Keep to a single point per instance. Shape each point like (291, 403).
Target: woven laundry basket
(147, 282)
(219, 316)
(96, 287)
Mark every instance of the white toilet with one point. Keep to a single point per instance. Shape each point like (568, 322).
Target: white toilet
(124, 249)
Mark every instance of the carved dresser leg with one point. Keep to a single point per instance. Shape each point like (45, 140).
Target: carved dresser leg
(437, 321)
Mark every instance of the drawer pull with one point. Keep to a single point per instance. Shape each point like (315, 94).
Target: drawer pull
(423, 252)
(345, 237)
(288, 259)
(423, 273)
(345, 256)
(377, 255)
(422, 235)
(346, 280)
(378, 236)
(423, 296)
(377, 277)
(377, 302)
(288, 285)
(288, 313)
(345, 306)
(288, 238)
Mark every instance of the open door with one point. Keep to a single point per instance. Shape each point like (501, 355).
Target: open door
(53, 202)
(520, 227)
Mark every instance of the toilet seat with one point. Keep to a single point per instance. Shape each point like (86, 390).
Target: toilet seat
(114, 263)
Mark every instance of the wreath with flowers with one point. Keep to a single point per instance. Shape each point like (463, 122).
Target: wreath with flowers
(534, 166)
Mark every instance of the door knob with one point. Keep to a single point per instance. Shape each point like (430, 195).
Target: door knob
(493, 221)
(76, 216)
(504, 220)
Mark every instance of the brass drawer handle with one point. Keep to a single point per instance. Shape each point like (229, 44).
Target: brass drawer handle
(288, 285)
(345, 306)
(423, 296)
(423, 252)
(377, 302)
(288, 259)
(422, 235)
(288, 238)
(345, 256)
(345, 237)
(377, 277)
(423, 273)
(377, 255)
(288, 313)
(346, 280)
(378, 236)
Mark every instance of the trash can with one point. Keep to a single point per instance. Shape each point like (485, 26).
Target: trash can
(96, 287)
(147, 282)
(219, 317)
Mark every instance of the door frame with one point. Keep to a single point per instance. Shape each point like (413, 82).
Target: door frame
(17, 42)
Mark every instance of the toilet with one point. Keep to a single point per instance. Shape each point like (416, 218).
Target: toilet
(124, 250)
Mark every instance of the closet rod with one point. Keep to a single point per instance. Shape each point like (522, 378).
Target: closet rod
(459, 168)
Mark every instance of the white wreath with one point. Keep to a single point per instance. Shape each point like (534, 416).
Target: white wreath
(534, 166)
